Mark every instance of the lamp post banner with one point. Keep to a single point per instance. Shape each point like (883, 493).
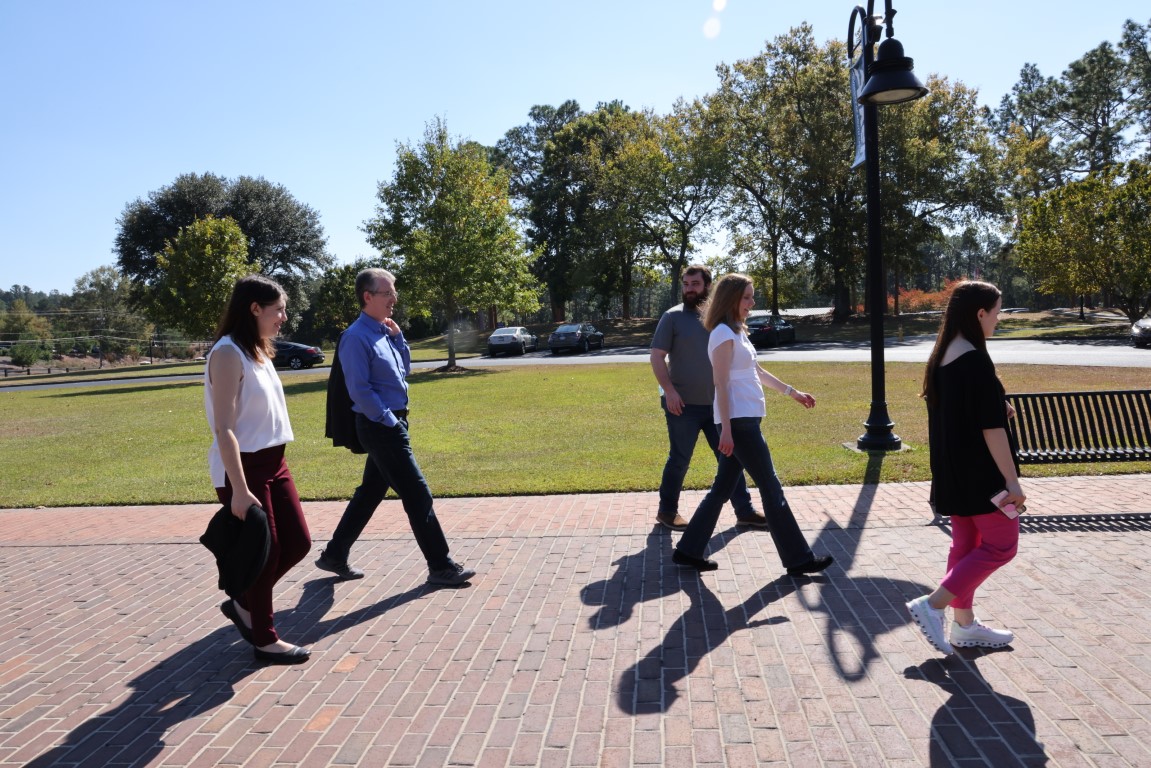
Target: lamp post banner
(858, 77)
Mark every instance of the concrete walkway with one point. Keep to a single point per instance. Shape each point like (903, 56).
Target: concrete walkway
(580, 643)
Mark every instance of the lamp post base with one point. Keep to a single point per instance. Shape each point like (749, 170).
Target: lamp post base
(879, 437)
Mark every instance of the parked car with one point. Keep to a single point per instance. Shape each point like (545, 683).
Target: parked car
(575, 336)
(293, 355)
(768, 331)
(512, 339)
(1141, 332)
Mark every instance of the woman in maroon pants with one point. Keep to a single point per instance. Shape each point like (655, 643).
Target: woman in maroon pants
(248, 414)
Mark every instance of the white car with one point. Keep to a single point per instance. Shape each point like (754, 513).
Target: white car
(1141, 332)
(513, 339)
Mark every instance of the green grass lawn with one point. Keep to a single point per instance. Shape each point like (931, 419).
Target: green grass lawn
(499, 431)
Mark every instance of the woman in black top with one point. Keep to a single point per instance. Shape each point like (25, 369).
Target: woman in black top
(972, 461)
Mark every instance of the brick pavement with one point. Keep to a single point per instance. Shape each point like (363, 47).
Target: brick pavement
(581, 644)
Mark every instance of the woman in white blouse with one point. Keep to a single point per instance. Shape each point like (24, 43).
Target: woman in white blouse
(245, 405)
(739, 408)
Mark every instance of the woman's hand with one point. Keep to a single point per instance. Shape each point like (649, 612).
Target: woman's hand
(1010, 411)
(803, 398)
(726, 444)
(241, 501)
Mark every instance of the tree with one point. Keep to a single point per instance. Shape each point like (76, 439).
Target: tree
(1093, 235)
(1136, 46)
(284, 238)
(540, 178)
(101, 313)
(674, 167)
(940, 173)
(195, 274)
(447, 215)
(1091, 110)
(791, 163)
(20, 323)
(604, 151)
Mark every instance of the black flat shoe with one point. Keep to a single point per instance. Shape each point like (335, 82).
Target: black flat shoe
(340, 568)
(698, 563)
(814, 565)
(297, 655)
(228, 608)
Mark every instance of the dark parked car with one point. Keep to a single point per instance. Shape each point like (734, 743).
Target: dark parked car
(513, 339)
(1141, 332)
(575, 336)
(768, 331)
(293, 355)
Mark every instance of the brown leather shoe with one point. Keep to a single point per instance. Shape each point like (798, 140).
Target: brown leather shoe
(674, 522)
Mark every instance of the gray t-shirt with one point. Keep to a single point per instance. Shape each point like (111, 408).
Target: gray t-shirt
(682, 335)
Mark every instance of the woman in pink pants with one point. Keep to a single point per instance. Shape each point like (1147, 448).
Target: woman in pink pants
(972, 462)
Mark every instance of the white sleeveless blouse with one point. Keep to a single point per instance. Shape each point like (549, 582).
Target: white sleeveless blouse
(261, 413)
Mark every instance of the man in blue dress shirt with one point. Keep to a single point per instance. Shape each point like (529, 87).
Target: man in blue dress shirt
(376, 361)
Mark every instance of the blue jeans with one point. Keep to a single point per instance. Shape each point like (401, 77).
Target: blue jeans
(390, 464)
(683, 433)
(750, 453)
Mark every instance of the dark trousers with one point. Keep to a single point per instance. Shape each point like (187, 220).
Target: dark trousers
(269, 480)
(750, 454)
(682, 434)
(390, 464)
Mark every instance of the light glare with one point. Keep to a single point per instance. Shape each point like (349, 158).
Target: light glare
(711, 28)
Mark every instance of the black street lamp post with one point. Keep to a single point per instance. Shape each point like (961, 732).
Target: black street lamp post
(888, 79)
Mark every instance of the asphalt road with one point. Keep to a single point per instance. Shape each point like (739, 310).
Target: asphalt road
(1114, 353)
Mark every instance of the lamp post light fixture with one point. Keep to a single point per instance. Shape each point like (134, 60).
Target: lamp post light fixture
(888, 79)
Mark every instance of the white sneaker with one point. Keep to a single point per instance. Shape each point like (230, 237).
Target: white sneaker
(930, 621)
(979, 635)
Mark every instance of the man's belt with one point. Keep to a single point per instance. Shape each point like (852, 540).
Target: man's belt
(403, 414)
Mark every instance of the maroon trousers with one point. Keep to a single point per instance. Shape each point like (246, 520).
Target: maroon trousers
(270, 481)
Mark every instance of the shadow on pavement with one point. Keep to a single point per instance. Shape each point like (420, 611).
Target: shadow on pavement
(198, 678)
(976, 726)
(650, 686)
(860, 607)
(190, 682)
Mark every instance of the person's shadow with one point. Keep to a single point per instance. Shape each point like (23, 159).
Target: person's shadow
(859, 608)
(639, 578)
(976, 725)
(198, 678)
(863, 608)
(650, 685)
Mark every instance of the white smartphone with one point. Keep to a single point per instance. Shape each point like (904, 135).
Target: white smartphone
(1007, 509)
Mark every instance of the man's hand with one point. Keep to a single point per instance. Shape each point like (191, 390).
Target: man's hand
(393, 328)
(674, 402)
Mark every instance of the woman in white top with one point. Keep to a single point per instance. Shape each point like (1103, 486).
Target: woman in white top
(739, 408)
(245, 405)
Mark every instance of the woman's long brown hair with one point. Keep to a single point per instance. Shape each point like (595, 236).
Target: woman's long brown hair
(238, 320)
(961, 318)
(722, 305)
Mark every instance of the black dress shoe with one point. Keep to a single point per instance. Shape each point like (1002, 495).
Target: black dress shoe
(296, 655)
(228, 608)
(340, 568)
(814, 565)
(698, 563)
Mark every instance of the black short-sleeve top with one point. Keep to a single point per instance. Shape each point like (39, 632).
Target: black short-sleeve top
(969, 399)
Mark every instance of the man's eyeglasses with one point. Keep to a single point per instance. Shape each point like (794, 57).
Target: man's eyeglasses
(386, 294)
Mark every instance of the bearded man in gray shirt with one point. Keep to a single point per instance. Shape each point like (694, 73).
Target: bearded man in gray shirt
(682, 368)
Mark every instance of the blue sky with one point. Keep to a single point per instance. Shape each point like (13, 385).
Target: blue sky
(107, 101)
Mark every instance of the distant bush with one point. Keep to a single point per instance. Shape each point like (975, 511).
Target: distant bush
(915, 300)
(24, 355)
